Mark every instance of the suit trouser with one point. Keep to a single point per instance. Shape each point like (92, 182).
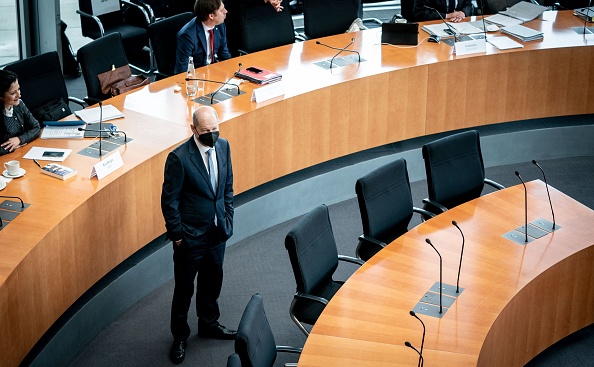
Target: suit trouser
(207, 262)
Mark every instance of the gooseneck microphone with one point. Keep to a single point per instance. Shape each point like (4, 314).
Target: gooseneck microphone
(11, 197)
(105, 131)
(461, 254)
(452, 30)
(100, 119)
(225, 83)
(525, 206)
(547, 186)
(440, 274)
(413, 314)
(340, 50)
(408, 344)
(214, 81)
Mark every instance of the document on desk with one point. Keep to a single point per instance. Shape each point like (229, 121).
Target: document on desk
(504, 43)
(443, 31)
(48, 154)
(92, 115)
(503, 20)
(524, 11)
(62, 132)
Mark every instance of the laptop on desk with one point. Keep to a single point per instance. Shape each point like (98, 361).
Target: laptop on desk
(400, 33)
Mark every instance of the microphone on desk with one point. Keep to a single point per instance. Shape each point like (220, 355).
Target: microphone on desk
(408, 344)
(525, 206)
(440, 274)
(413, 314)
(11, 197)
(227, 82)
(452, 30)
(105, 131)
(213, 81)
(461, 254)
(100, 119)
(340, 50)
(547, 186)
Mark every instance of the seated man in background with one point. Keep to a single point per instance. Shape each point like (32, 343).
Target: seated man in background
(450, 10)
(17, 124)
(204, 37)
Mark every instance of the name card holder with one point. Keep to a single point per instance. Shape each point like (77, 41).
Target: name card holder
(470, 47)
(107, 165)
(269, 91)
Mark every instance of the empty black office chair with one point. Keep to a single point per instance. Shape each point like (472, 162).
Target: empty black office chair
(42, 84)
(96, 23)
(98, 57)
(163, 37)
(323, 18)
(233, 360)
(314, 258)
(407, 10)
(262, 27)
(386, 207)
(254, 342)
(455, 171)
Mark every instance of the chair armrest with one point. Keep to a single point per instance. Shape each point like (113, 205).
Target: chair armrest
(242, 52)
(351, 259)
(96, 19)
(310, 297)
(423, 212)
(372, 240)
(494, 184)
(288, 349)
(436, 204)
(143, 9)
(78, 101)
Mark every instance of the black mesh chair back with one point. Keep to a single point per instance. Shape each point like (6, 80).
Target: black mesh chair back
(98, 57)
(233, 360)
(255, 342)
(262, 27)
(163, 37)
(41, 80)
(385, 204)
(454, 168)
(407, 10)
(323, 18)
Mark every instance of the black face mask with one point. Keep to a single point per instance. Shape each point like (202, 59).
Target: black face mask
(209, 139)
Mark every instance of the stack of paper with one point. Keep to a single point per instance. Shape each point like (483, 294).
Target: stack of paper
(519, 13)
(91, 115)
(522, 33)
(443, 31)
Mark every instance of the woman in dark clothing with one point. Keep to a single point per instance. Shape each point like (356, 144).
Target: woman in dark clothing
(17, 125)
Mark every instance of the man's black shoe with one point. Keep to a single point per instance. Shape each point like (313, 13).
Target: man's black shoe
(216, 332)
(178, 351)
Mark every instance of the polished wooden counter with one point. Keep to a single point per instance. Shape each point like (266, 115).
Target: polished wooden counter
(517, 300)
(75, 232)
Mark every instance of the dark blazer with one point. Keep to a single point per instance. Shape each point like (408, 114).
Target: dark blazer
(188, 201)
(191, 41)
(29, 125)
(421, 13)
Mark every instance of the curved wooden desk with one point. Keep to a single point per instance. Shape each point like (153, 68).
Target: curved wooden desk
(517, 300)
(75, 232)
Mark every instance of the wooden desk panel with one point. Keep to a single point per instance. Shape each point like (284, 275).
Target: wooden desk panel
(517, 301)
(76, 231)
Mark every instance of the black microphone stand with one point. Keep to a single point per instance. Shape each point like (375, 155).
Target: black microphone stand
(11, 197)
(413, 314)
(548, 194)
(100, 120)
(227, 82)
(461, 253)
(340, 50)
(440, 275)
(453, 30)
(105, 131)
(525, 206)
(408, 344)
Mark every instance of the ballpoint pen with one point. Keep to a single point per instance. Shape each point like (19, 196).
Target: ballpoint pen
(37, 163)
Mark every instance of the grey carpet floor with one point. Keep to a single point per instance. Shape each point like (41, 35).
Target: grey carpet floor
(259, 264)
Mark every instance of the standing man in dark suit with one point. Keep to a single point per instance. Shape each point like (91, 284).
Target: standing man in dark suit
(204, 37)
(197, 204)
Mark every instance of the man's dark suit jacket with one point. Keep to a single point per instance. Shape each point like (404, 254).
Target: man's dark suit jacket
(421, 13)
(191, 41)
(188, 201)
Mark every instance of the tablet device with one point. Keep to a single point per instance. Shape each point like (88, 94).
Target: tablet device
(400, 33)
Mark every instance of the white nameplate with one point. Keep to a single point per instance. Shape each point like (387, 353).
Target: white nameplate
(470, 47)
(269, 91)
(107, 165)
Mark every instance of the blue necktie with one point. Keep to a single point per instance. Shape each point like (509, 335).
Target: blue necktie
(211, 174)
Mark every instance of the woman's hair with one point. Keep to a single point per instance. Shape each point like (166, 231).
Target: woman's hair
(6, 79)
